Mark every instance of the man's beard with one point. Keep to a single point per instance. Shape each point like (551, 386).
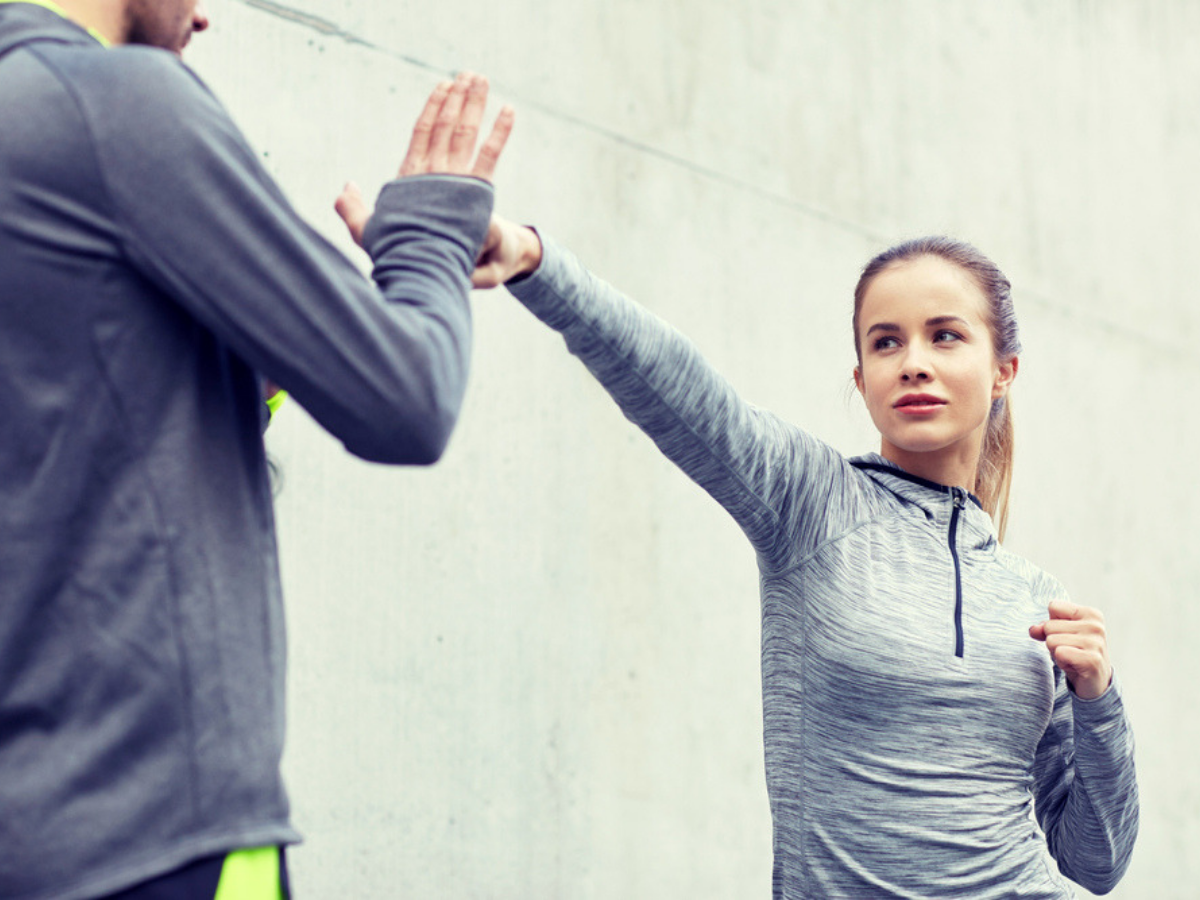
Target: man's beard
(144, 25)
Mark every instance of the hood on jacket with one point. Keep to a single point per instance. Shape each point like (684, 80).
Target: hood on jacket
(27, 23)
(931, 498)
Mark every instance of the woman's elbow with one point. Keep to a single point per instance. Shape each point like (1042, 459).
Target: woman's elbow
(1101, 880)
(1104, 884)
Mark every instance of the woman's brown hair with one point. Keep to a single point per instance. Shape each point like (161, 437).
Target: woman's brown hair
(993, 476)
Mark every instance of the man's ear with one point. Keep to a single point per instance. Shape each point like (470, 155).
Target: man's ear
(1006, 373)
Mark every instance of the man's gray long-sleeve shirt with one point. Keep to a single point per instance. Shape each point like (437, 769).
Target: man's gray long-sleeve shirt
(919, 744)
(150, 274)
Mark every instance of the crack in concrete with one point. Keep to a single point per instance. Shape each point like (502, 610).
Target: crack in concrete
(330, 29)
(319, 25)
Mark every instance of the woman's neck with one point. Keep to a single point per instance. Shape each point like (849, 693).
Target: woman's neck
(953, 466)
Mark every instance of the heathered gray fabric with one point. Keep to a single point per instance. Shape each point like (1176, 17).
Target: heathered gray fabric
(150, 269)
(895, 768)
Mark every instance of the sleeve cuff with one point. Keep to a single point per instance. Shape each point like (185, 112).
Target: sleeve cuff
(453, 207)
(1100, 712)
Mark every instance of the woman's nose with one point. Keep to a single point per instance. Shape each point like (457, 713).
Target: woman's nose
(914, 366)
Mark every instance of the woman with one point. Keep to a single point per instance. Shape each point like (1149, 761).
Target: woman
(912, 721)
(919, 741)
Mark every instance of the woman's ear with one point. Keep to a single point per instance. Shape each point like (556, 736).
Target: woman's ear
(1006, 373)
(858, 380)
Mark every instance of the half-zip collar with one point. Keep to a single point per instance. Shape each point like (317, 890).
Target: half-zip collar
(958, 499)
(873, 462)
(966, 515)
(933, 499)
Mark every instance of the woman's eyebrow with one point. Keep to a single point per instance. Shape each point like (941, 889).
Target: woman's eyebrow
(929, 323)
(883, 326)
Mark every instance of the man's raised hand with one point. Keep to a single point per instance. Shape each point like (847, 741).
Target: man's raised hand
(443, 143)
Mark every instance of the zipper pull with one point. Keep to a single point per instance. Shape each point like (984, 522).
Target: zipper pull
(960, 497)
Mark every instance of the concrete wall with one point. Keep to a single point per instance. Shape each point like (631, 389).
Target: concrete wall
(492, 693)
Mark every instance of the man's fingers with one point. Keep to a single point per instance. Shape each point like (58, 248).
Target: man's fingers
(444, 137)
(489, 153)
(354, 211)
(466, 131)
(445, 124)
(415, 160)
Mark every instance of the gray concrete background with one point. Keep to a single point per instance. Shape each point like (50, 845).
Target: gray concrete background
(492, 694)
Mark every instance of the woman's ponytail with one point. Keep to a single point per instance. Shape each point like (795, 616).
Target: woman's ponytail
(993, 477)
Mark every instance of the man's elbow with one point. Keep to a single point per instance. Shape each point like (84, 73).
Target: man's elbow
(409, 438)
(431, 439)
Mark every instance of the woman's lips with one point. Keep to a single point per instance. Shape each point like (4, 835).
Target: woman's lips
(918, 404)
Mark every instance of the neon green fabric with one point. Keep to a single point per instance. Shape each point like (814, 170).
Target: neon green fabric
(55, 8)
(250, 875)
(276, 399)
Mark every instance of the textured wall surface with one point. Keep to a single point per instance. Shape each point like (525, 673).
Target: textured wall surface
(532, 670)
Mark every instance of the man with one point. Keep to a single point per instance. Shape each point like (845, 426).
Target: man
(151, 277)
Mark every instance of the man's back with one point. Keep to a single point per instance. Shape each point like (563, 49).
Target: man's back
(136, 548)
(148, 270)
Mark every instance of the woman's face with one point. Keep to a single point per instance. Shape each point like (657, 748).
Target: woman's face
(928, 372)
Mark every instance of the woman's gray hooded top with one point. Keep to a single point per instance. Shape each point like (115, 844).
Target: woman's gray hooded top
(919, 744)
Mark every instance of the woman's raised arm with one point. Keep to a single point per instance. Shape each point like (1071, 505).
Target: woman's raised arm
(758, 467)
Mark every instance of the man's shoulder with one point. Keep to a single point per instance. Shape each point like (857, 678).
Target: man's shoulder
(121, 76)
(138, 97)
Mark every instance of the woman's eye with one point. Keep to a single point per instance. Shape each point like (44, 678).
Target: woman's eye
(886, 343)
(945, 336)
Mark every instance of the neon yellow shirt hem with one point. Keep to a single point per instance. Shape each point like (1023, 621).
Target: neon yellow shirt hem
(275, 401)
(250, 875)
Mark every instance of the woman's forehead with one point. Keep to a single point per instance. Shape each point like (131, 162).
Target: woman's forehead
(923, 286)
